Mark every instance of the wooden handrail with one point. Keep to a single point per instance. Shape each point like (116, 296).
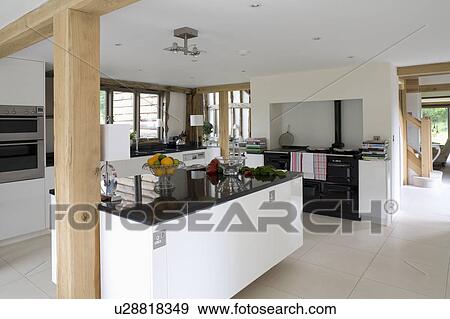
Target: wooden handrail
(414, 162)
(412, 150)
(411, 119)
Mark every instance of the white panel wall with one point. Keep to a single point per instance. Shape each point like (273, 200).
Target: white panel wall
(414, 106)
(372, 84)
(312, 123)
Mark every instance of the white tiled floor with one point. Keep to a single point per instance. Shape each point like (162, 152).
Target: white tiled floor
(25, 270)
(410, 259)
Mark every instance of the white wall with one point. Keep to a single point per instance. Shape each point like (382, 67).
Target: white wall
(312, 123)
(376, 84)
(177, 112)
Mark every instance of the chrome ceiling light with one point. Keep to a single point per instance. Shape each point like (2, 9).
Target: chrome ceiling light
(185, 33)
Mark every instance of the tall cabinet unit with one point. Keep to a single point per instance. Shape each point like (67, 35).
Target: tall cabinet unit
(375, 186)
(23, 203)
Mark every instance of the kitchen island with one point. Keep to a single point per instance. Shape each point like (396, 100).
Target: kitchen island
(208, 237)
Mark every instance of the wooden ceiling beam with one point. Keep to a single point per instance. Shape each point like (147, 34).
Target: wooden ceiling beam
(37, 24)
(434, 88)
(123, 84)
(415, 71)
(224, 87)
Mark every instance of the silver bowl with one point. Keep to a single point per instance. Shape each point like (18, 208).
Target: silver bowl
(231, 165)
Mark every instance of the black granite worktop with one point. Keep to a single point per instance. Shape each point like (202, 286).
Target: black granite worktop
(194, 191)
(163, 149)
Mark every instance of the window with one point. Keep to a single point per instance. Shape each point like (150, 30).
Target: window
(149, 111)
(239, 117)
(439, 123)
(140, 110)
(213, 112)
(240, 114)
(103, 106)
(123, 108)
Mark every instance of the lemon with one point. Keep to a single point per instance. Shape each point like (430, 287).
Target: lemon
(167, 161)
(159, 172)
(152, 160)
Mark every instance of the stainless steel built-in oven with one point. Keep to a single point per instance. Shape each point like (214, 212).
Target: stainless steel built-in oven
(21, 123)
(21, 143)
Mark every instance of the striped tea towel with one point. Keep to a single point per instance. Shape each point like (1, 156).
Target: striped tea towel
(296, 162)
(320, 166)
(308, 166)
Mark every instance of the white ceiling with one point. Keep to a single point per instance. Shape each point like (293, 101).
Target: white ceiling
(278, 35)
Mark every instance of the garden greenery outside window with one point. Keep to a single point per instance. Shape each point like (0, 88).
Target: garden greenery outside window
(437, 109)
(439, 123)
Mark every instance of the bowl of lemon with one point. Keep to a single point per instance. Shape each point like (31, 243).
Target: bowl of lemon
(162, 165)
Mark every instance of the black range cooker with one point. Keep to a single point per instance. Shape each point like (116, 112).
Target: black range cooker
(337, 196)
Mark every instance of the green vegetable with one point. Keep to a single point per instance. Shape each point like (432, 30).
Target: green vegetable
(263, 172)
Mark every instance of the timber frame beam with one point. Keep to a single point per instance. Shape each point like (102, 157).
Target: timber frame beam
(37, 25)
(415, 71)
(222, 88)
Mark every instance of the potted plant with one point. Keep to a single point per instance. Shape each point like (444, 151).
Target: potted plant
(132, 137)
(207, 130)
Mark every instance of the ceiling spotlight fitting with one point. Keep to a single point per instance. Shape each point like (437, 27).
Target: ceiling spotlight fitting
(256, 5)
(185, 33)
(351, 57)
(317, 38)
(118, 44)
(244, 52)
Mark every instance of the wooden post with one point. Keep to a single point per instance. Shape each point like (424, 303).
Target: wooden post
(77, 149)
(224, 133)
(426, 147)
(404, 130)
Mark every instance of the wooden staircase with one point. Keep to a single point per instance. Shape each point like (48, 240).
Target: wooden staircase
(421, 161)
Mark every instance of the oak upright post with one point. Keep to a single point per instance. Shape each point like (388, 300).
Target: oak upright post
(77, 148)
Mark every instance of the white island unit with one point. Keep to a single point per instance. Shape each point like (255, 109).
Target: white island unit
(148, 260)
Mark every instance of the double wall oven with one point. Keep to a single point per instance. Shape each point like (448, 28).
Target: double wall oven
(21, 143)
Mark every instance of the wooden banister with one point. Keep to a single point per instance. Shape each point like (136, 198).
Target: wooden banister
(411, 119)
(414, 161)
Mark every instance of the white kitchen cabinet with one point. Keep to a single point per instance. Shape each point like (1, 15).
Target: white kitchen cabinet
(374, 185)
(22, 82)
(22, 208)
(194, 264)
(254, 160)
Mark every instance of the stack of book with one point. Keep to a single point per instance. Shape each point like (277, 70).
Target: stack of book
(375, 150)
(256, 145)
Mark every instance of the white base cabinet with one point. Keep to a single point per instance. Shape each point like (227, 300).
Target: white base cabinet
(193, 264)
(22, 208)
(375, 186)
